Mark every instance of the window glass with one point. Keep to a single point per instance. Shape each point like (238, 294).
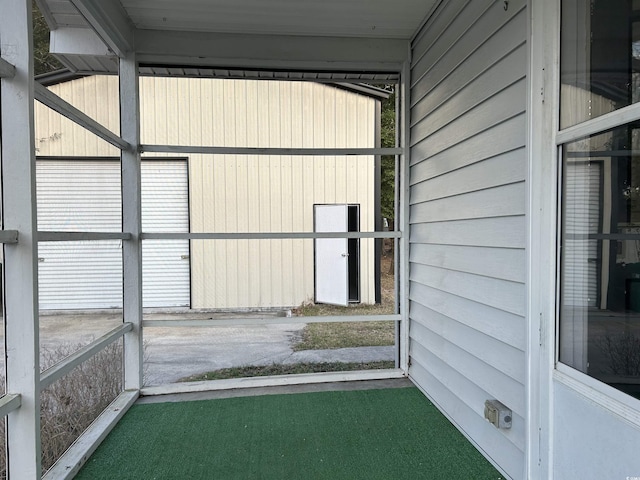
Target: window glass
(600, 257)
(600, 60)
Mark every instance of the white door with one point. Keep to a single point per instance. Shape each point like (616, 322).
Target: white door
(331, 255)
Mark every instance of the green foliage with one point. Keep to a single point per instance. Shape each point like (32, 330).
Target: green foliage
(43, 61)
(388, 166)
(292, 369)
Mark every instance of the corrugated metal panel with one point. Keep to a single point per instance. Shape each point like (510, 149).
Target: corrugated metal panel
(234, 73)
(468, 166)
(582, 201)
(269, 194)
(85, 195)
(243, 193)
(165, 208)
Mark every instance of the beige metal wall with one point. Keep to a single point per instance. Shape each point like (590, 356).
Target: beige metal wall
(234, 193)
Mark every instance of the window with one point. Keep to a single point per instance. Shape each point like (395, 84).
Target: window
(599, 307)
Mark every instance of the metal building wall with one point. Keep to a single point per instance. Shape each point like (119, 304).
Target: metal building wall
(230, 193)
(467, 216)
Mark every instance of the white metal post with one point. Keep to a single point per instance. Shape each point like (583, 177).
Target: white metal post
(131, 221)
(20, 259)
(403, 257)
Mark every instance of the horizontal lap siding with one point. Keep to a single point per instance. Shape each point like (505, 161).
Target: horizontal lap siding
(467, 215)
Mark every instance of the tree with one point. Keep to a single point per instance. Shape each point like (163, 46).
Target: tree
(43, 61)
(388, 164)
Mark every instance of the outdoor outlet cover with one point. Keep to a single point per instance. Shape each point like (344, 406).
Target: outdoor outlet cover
(497, 414)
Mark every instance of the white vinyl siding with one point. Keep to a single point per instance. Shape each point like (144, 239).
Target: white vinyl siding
(467, 215)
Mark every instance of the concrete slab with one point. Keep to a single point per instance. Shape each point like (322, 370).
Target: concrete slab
(172, 353)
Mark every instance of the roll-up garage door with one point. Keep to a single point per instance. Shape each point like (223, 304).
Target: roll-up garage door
(84, 195)
(165, 208)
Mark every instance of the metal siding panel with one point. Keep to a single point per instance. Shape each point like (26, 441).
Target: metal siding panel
(251, 194)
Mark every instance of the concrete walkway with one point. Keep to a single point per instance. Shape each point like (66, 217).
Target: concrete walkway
(172, 353)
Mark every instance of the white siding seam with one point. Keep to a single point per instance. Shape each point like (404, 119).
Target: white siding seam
(505, 328)
(462, 167)
(421, 242)
(434, 111)
(469, 272)
(464, 126)
(418, 376)
(433, 17)
(443, 382)
(483, 356)
(462, 140)
(467, 192)
(472, 52)
(484, 245)
(413, 279)
(500, 138)
(464, 85)
(417, 59)
(456, 355)
(458, 219)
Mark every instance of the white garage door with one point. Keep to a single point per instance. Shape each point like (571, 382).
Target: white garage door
(84, 195)
(165, 208)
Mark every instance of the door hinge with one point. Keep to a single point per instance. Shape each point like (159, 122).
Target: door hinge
(540, 331)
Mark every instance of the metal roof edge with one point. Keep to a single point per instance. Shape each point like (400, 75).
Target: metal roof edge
(65, 75)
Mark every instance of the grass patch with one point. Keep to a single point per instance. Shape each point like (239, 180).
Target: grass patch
(274, 369)
(321, 310)
(323, 336)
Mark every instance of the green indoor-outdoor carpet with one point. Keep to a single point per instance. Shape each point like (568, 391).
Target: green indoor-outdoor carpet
(371, 434)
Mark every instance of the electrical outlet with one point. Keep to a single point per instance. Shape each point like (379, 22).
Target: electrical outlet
(497, 414)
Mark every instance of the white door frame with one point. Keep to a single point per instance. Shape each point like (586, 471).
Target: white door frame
(543, 80)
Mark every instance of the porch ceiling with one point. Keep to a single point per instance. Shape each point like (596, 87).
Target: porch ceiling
(341, 18)
(367, 30)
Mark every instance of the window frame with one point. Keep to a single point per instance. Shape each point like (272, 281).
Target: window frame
(614, 400)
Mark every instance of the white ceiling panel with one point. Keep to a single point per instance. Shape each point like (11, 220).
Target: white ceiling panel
(342, 18)
(340, 35)
(351, 18)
